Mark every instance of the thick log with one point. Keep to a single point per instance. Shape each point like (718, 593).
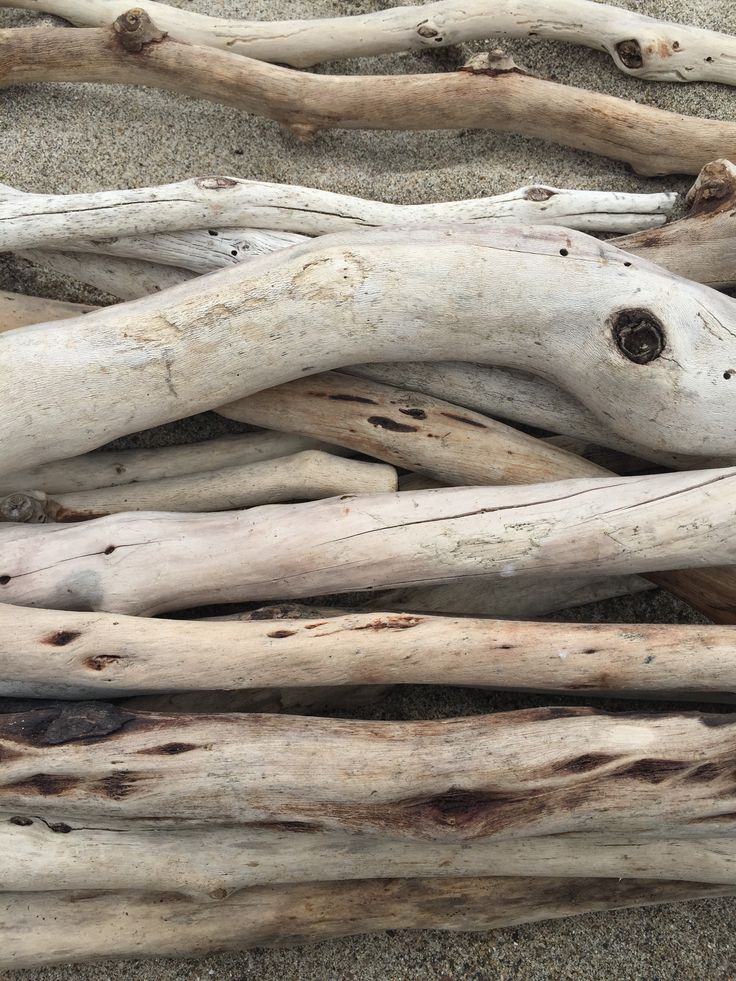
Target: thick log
(223, 204)
(17, 310)
(109, 655)
(305, 476)
(641, 46)
(55, 927)
(519, 774)
(178, 341)
(152, 562)
(489, 92)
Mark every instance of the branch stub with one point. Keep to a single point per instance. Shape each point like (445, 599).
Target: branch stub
(135, 29)
(639, 335)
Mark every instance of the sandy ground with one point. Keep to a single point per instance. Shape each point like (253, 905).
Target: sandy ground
(67, 138)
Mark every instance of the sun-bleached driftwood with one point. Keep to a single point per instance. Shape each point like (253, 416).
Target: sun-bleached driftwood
(211, 328)
(53, 927)
(641, 46)
(517, 774)
(489, 92)
(109, 655)
(305, 476)
(17, 310)
(409, 430)
(224, 204)
(111, 468)
(148, 563)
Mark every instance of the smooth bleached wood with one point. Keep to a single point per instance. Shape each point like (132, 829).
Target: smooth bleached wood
(111, 468)
(56, 927)
(17, 310)
(306, 476)
(160, 354)
(517, 774)
(642, 46)
(50, 654)
(489, 92)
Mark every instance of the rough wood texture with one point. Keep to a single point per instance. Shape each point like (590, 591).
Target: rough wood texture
(17, 310)
(665, 362)
(518, 774)
(109, 655)
(490, 92)
(53, 927)
(641, 46)
(305, 476)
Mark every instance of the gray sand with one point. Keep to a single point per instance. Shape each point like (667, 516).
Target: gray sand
(69, 138)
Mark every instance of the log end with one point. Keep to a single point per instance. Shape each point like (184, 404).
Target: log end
(715, 189)
(134, 30)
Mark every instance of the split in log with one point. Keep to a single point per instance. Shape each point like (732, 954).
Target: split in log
(109, 655)
(489, 92)
(670, 360)
(153, 562)
(226, 203)
(53, 927)
(641, 46)
(532, 773)
(111, 468)
(306, 476)
(17, 310)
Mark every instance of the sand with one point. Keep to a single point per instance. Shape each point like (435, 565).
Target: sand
(67, 138)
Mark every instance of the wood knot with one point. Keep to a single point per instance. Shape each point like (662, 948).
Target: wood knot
(24, 508)
(492, 63)
(630, 54)
(639, 335)
(714, 190)
(539, 193)
(135, 29)
(216, 184)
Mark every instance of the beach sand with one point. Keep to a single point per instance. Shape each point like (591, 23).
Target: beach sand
(67, 138)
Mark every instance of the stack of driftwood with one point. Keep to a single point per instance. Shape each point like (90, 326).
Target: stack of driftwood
(160, 792)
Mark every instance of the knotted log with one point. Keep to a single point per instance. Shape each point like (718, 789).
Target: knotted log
(55, 927)
(641, 46)
(489, 92)
(109, 655)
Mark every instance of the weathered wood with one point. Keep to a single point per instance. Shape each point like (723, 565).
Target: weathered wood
(305, 476)
(150, 563)
(641, 46)
(489, 92)
(109, 655)
(212, 327)
(17, 310)
(518, 774)
(53, 927)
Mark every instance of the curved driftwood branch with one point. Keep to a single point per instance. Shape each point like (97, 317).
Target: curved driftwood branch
(227, 203)
(518, 774)
(17, 310)
(306, 476)
(109, 655)
(112, 468)
(666, 360)
(490, 92)
(641, 46)
(53, 927)
(149, 563)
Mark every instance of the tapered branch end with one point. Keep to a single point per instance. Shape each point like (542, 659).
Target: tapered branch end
(493, 63)
(714, 190)
(29, 508)
(135, 29)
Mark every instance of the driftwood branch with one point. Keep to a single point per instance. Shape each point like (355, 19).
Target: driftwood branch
(490, 92)
(17, 310)
(217, 321)
(53, 927)
(151, 563)
(641, 46)
(109, 655)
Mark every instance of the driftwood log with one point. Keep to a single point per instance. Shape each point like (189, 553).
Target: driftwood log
(50, 654)
(150, 563)
(489, 92)
(518, 774)
(53, 927)
(17, 310)
(641, 46)
(671, 360)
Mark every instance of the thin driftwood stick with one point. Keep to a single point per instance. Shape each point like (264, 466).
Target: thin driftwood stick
(214, 328)
(111, 468)
(490, 92)
(518, 774)
(53, 927)
(227, 203)
(17, 310)
(305, 476)
(641, 46)
(109, 655)
(153, 562)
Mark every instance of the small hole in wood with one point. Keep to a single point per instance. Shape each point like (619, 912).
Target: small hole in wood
(675, 45)
(627, 264)
(22, 822)
(639, 335)
(60, 828)
(709, 60)
(564, 252)
(728, 375)
(211, 231)
(630, 53)
(233, 252)
(109, 550)
(4, 580)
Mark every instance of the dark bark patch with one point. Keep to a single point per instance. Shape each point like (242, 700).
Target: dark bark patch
(65, 722)
(117, 786)
(60, 638)
(630, 53)
(468, 422)
(414, 413)
(639, 335)
(169, 749)
(282, 633)
(42, 785)
(99, 662)
(585, 763)
(652, 770)
(705, 773)
(716, 721)
(391, 425)
(340, 397)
